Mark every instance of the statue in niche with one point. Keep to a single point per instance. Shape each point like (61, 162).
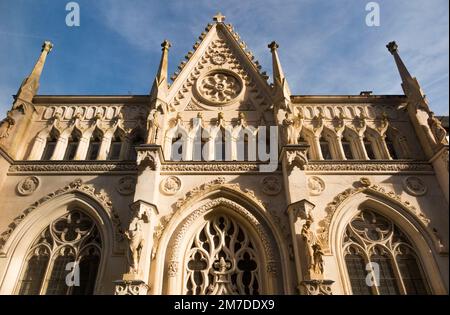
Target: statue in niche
(314, 251)
(318, 260)
(153, 127)
(135, 237)
(308, 239)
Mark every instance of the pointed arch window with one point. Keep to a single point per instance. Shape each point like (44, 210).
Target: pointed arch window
(73, 238)
(72, 145)
(50, 145)
(94, 145)
(391, 148)
(347, 148)
(375, 239)
(222, 260)
(219, 146)
(116, 147)
(177, 148)
(302, 141)
(369, 148)
(137, 140)
(325, 148)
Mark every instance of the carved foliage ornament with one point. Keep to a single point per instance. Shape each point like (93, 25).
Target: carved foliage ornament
(271, 185)
(316, 185)
(133, 287)
(170, 185)
(28, 185)
(126, 185)
(415, 186)
(218, 58)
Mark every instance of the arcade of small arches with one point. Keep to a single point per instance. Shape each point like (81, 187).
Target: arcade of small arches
(94, 143)
(221, 141)
(241, 141)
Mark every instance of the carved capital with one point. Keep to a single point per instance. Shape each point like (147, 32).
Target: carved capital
(316, 287)
(130, 287)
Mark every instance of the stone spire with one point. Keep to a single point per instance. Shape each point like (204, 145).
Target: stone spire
(282, 91)
(160, 85)
(410, 85)
(30, 85)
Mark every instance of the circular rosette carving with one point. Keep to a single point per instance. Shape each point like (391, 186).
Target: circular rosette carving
(415, 186)
(316, 185)
(271, 185)
(218, 58)
(219, 87)
(28, 185)
(126, 185)
(170, 185)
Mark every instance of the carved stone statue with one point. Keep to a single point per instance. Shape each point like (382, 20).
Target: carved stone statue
(135, 237)
(318, 260)
(5, 126)
(308, 238)
(153, 127)
(437, 130)
(313, 249)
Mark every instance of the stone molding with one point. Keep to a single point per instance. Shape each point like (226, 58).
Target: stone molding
(76, 186)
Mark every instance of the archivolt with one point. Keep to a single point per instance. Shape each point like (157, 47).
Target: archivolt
(76, 186)
(374, 190)
(229, 204)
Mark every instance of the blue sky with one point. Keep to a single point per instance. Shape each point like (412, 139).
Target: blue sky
(325, 45)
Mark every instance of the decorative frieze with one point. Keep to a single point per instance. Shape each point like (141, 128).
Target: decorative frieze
(73, 167)
(368, 166)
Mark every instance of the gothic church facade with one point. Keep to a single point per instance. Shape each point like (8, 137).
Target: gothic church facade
(112, 195)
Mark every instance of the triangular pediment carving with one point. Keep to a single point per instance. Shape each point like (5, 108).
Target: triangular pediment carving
(220, 74)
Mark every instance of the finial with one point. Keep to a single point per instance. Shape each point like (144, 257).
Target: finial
(273, 46)
(166, 44)
(392, 47)
(47, 46)
(219, 18)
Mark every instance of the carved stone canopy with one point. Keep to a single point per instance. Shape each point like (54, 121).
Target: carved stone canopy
(301, 209)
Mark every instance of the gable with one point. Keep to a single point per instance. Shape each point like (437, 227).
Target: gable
(220, 75)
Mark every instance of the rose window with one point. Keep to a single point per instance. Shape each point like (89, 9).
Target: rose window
(219, 87)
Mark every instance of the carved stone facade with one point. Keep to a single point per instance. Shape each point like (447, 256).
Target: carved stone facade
(179, 211)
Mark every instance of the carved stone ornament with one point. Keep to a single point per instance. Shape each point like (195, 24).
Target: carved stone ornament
(126, 185)
(316, 185)
(99, 195)
(218, 58)
(28, 185)
(373, 189)
(415, 186)
(271, 185)
(219, 87)
(170, 185)
(131, 287)
(317, 287)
